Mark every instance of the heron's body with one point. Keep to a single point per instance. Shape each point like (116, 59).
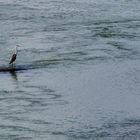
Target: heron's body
(13, 58)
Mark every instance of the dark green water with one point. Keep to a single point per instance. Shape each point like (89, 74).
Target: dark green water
(82, 77)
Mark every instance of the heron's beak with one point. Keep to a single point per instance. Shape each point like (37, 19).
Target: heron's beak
(18, 45)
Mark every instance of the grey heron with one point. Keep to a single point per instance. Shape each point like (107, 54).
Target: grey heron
(14, 56)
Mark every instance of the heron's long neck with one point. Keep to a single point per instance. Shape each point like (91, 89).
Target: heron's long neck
(16, 50)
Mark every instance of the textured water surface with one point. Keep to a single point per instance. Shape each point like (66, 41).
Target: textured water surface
(81, 70)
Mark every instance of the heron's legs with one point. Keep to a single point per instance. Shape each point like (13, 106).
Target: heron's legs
(13, 64)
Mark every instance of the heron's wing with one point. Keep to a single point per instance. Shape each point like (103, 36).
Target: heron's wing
(13, 58)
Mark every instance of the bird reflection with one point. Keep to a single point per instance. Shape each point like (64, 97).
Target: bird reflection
(14, 75)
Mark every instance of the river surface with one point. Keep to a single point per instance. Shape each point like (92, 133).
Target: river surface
(82, 70)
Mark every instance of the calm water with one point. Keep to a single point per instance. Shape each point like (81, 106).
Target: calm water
(83, 70)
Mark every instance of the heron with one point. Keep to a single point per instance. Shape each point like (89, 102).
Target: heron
(14, 56)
